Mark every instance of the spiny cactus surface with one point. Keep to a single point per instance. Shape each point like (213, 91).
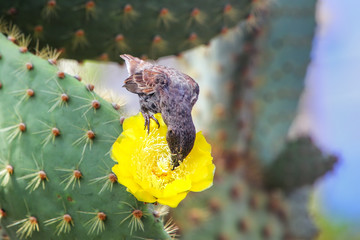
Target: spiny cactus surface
(300, 163)
(232, 209)
(55, 177)
(104, 29)
(279, 71)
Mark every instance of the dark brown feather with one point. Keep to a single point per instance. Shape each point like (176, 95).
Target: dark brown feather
(146, 81)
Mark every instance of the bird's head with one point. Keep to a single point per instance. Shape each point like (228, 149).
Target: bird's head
(180, 138)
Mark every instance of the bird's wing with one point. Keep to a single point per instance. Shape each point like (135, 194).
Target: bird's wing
(146, 81)
(195, 88)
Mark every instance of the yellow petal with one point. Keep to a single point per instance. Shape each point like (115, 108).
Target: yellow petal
(130, 184)
(143, 196)
(135, 122)
(173, 201)
(206, 181)
(135, 150)
(179, 185)
(201, 170)
(123, 168)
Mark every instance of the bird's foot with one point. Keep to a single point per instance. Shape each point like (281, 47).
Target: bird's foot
(147, 118)
(157, 122)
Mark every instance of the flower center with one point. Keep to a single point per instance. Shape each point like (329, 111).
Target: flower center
(153, 161)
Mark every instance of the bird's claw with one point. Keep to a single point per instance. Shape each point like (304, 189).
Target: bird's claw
(157, 122)
(147, 122)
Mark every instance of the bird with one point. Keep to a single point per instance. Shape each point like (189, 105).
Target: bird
(167, 91)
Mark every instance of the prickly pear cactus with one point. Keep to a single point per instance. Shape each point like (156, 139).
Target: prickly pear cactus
(233, 209)
(236, 208)
(268, 95)
(104, 29)
(279, 70)
(55, 177)
(300, 163)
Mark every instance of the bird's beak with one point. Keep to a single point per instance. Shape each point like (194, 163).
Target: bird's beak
(175, 160)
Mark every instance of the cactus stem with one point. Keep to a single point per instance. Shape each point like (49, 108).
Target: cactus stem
(28, 226)
(65, 222)
(106, 181)
(95, 224)
(71, 178)
(50, 133)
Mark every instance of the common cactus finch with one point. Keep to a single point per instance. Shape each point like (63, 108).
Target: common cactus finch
(169, 92)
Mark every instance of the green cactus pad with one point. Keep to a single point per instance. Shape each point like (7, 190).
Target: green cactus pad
(55, 141)
(105, 29)
(300, 163)
(279, 71)
(232, 209)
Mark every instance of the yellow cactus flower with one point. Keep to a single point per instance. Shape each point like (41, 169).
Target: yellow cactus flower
(144, 164)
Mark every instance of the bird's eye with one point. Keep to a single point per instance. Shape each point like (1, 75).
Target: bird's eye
(171, 132)
(160, 79)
